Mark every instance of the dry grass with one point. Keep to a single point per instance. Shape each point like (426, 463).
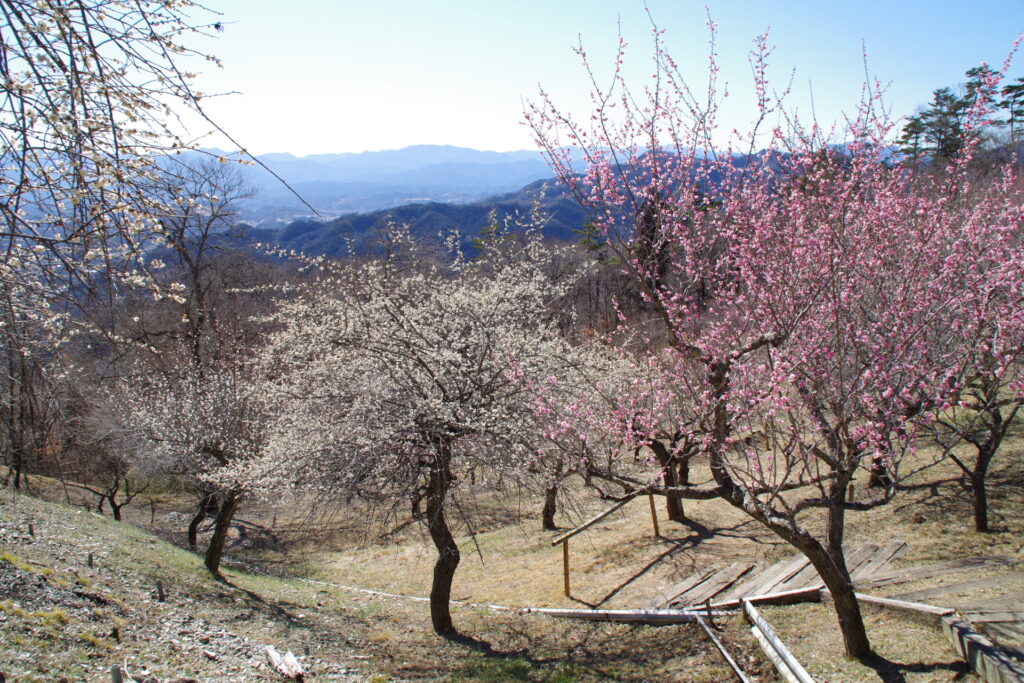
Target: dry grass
(619, 564)
(906, 649)
(212, 630)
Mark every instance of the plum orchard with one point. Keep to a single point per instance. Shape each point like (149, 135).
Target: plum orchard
(815, 300)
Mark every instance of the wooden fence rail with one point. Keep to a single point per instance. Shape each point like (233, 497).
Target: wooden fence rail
(564, 538)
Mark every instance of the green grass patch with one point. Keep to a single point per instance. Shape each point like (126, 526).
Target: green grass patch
(498, 670)
(24, 565)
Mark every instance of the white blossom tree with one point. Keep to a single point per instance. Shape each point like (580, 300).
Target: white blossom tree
(396, 381)
(204, 425)
(92, 97)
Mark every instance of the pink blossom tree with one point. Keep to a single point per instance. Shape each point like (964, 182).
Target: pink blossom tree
(992, 388)
(813, 298)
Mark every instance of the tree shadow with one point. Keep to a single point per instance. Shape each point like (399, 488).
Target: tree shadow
(934, 497)
(893, 672)
(585, 651)
(256, 601)
(700, 534)
(591, 605)
(477, 644)
(487, 649)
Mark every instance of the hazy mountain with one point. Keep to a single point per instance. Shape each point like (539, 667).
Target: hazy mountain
(335, 184)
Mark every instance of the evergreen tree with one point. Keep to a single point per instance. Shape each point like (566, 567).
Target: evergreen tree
(1013, 103)
(939, 131)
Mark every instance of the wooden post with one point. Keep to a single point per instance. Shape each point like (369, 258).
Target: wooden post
(160, 597)
(849, 493)
(565, 566)
(654, 515)
(89, 560)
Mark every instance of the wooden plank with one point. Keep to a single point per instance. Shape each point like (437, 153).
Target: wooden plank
(804, 578)
(859, 557)
(784, 572)
(645, 616)
(666, 596)
(808, 576)
(565, 565)
(1008, 617)
(936, 569)
(1012, 601)
(991, 663)
(812, 594)
(960, 587)
(880, 559)
(750, 581)
(929, 613)
(1005, 632)
(715, 585)
(773, 646)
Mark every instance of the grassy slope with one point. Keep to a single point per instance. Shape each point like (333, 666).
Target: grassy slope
(77, 621)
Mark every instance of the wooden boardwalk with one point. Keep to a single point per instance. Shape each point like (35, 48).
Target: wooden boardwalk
(742, 580)
(1001, 618)
(993, 605)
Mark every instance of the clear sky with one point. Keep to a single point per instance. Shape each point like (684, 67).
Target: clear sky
(323, 76)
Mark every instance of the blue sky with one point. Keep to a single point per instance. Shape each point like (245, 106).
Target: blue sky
(321, 76)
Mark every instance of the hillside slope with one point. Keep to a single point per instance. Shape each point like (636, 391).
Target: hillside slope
(62, 619)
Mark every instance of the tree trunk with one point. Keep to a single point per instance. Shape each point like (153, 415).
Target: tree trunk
(447, 550)
(986, 451)
(115, 509)
(683, 471)
(671, 469)
(215, 550)
(17, 464)
(831, 565)
(550, 507)
(979, 488)
(207, 507)
(673, 504)
(980, 504)
(851, 623)
(879, 474)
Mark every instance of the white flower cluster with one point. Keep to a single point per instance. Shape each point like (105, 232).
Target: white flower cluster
(379, 362)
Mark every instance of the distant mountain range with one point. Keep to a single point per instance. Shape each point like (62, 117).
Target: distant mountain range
(336, 184)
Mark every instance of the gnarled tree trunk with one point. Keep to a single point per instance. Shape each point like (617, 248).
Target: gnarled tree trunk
(207, 508)
(979, 487)
(215, 550)
(832, 570)
(440, 481)
(676, 472)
